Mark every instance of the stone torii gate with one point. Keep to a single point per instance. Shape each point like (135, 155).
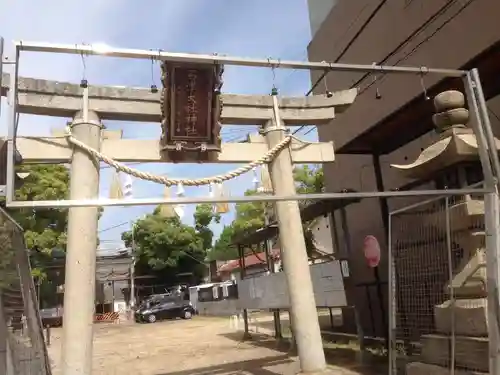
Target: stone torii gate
(273, 114)
(86, 143)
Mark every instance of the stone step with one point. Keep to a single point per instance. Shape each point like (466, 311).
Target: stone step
(471, 317)
(419, 368)
(470, 352)
(470, 280)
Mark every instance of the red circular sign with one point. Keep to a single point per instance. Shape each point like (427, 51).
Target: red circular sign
(371, 249)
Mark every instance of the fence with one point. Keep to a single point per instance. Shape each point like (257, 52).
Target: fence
(372, 309)
(438, 286)
(22, 346)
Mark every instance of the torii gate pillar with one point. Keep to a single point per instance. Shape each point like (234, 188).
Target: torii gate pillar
(79, 284)
(303, 312)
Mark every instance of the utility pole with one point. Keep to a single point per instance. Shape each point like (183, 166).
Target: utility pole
(79, 293)
(132, 270)
(295, 261)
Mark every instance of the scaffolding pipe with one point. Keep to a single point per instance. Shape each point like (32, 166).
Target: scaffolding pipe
(485, 121)
(104, 50)
(255, 198)
(1, 68)
(11, 131)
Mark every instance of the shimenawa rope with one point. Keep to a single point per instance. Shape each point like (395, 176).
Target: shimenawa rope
(266, 158)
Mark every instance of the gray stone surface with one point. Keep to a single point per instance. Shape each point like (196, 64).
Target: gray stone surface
(219, 308)
(418, 368)
(470, 280)
(63, 99)
(471, 317)
(470, 352)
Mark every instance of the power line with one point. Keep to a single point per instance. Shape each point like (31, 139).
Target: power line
(114, 226)
(467, 4)
(419, 44)
(422, 28)
(347, 47)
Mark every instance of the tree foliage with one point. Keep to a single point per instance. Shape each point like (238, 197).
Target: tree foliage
(250, 216)
(165, 247)
(224, 248)
(45, 228)
(308, 180)
(204, 216)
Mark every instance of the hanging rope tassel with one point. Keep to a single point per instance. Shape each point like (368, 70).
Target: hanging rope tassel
(255, 180)
(211, 194)
(265, 180)
(167, 210)
(179, 208)
(128, 191)
(221, 208)
(115, 189)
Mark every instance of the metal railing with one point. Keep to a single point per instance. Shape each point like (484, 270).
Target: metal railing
(22, 346)
(438, 286)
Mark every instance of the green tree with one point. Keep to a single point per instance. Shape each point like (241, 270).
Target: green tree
(8, 270)
(45, 228)
(165, 248)
(224, 249)
(308, 180)
(249, 216)
(204, 216)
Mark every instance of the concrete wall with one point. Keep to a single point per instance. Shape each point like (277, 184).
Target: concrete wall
(455, 37)
(225, 307)
(470, 32)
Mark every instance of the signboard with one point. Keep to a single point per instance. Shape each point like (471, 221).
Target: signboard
(190, 106)
(371, 249)
(271, 291)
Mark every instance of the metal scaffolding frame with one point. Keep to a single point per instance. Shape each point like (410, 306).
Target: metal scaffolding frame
(104, 50)
(479, 122)
(104, 202)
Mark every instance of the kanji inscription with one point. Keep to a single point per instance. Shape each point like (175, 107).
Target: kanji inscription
(191, 107)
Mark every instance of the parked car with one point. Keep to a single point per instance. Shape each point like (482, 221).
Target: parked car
(156, 309)
(52, 316)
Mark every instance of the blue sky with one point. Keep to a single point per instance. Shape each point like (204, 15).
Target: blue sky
(256, 28)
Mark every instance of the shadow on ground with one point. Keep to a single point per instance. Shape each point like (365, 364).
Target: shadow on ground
(261, 366)
(337, 354)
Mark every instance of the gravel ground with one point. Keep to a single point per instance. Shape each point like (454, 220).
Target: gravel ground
(207, 346)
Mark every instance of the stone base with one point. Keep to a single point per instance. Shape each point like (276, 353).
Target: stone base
(470, 317)
(418, 368)
(470, 352)
(470, 282)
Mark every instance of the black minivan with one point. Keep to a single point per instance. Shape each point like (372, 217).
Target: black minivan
(164, 307)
